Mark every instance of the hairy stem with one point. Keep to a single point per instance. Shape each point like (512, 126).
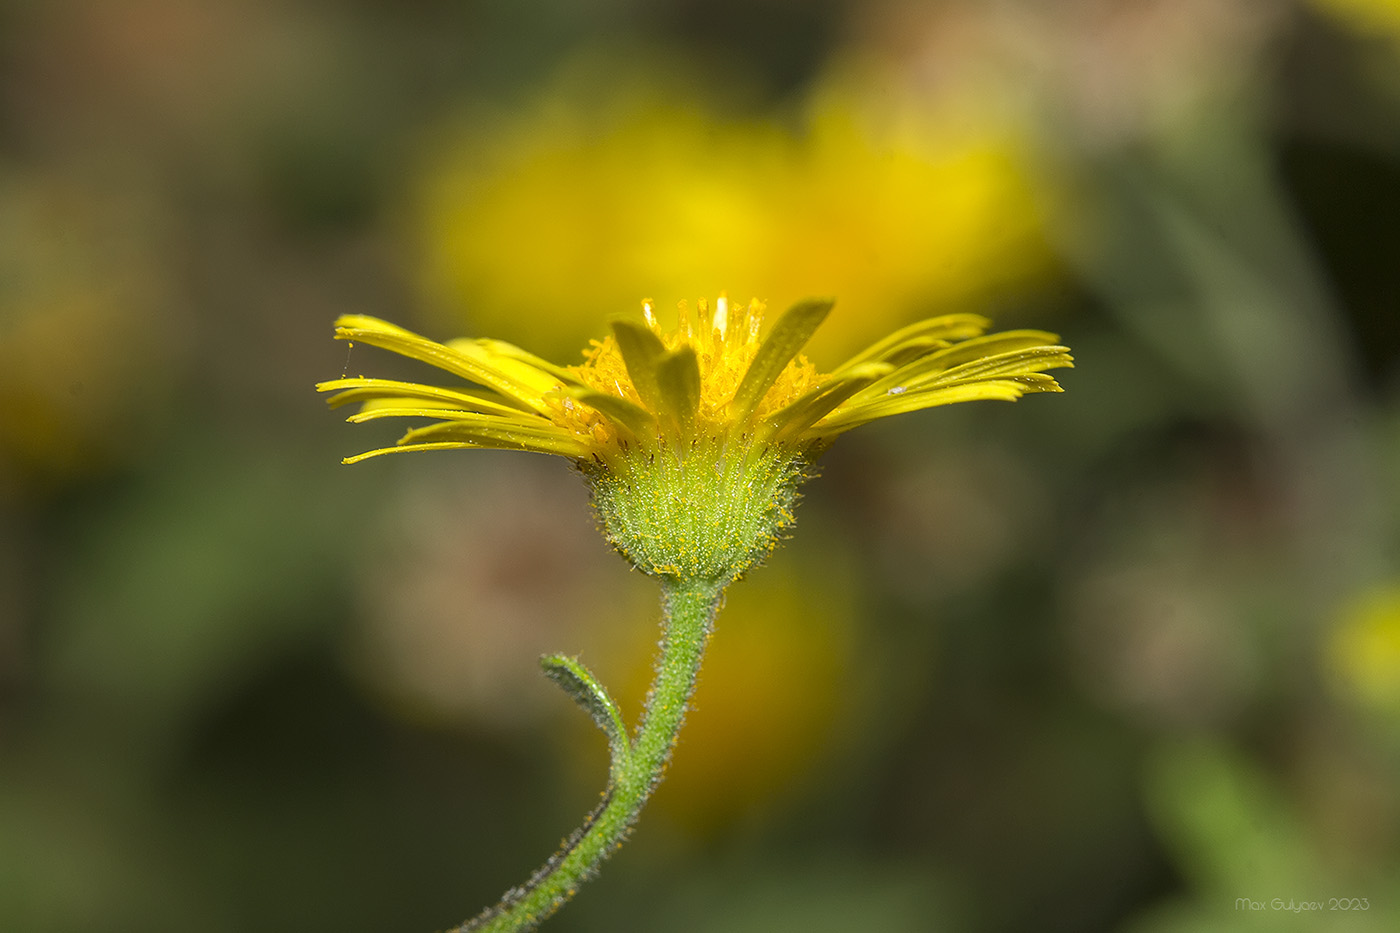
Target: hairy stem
(689, 616)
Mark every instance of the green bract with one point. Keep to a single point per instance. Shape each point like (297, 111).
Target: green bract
(708, 515)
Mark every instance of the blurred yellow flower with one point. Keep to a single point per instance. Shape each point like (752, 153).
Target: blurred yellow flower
(1365, 650)
(84, 344)
(539, 231)
(773, 693)
(1377, 17)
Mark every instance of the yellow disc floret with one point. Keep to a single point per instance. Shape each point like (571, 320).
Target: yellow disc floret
(723, 343)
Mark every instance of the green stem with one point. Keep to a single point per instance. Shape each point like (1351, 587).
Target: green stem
(690, 608)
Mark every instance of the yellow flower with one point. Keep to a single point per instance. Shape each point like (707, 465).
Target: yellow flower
(1365, 649)
(710, 377)
(693, 442)
(693, 439)
(1377, 17)
(621, 179)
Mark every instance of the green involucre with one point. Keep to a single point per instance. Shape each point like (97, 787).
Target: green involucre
(707, 515)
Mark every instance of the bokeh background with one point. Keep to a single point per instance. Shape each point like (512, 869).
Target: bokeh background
(1122, 659)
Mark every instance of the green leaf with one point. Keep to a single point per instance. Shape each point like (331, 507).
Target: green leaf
(788, 336)
(592, 697)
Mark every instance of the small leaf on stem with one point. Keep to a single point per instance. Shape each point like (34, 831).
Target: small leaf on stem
(592, 697)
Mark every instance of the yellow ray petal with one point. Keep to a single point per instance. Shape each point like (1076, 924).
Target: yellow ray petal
(1016, 362)
(369, 390)
(380, 451)
(856, 413)
(909, 351)
(525, 423)
(1037, 382)
(986, 347)
(512, 367)
(510, 350)
(386, 336)
(934, 370)
(947, 327)
(552, 441)
(442, 445)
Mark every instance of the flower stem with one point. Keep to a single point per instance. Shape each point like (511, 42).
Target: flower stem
(689, 608)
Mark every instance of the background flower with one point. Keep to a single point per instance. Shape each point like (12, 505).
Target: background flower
(638, 181)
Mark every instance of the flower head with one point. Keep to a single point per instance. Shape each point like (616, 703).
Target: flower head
(693, 438)
(710, 377)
